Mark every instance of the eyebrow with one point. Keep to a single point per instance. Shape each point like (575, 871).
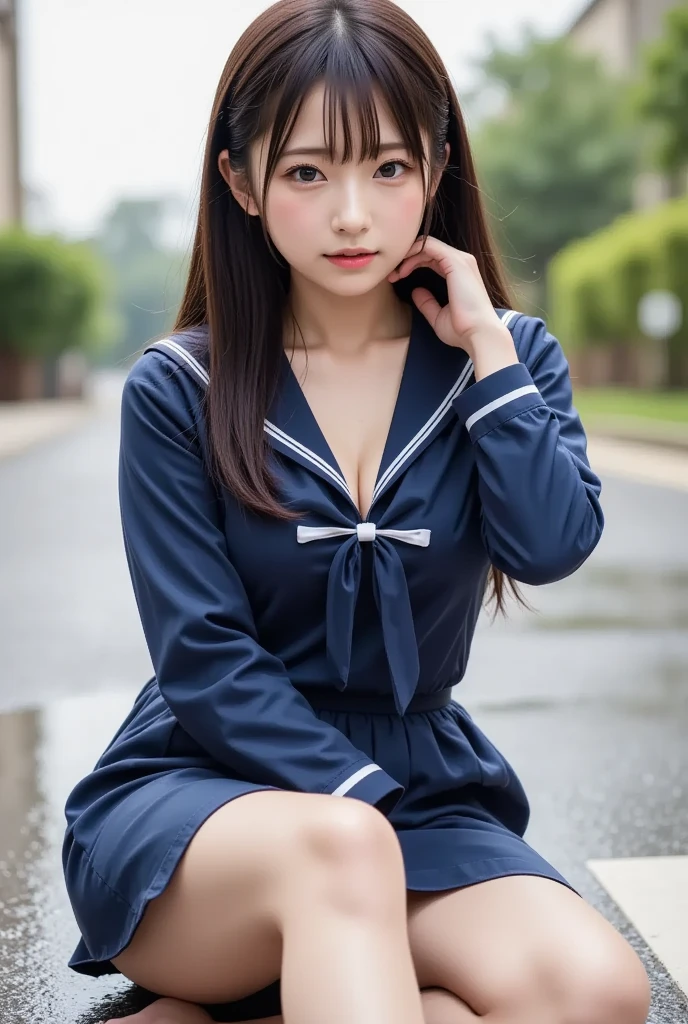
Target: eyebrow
(322, 151)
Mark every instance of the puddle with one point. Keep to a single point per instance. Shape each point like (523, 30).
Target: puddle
(672, 619)
(610, 598)
(638, 579)
(43, 753)
(612, 704)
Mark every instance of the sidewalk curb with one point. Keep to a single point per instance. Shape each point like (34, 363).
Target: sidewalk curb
(652, 433)
(666, 443)
(25, 425)
(639, 461)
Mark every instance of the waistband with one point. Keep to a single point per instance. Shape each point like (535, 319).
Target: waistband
(326, 698)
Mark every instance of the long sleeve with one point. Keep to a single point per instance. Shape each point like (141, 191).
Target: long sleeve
(226, 690)
(541, 514)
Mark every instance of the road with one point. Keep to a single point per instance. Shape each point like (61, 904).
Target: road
(587, 696)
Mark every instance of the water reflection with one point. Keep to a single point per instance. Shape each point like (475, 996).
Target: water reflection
(636, 579)
(20, 845)
(43, 752)
(603, 598)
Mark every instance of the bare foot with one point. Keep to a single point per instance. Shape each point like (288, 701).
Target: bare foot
(166, 1011)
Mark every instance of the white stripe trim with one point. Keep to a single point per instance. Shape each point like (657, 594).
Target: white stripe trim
(306, 453)
(269, 427)
(362, 773)
(498, 402)
(301, 449)
(428, 427)
(186, 356)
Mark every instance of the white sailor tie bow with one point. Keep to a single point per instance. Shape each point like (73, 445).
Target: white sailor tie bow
(390, 589)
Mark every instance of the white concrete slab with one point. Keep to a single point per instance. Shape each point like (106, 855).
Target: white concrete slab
(653, 894)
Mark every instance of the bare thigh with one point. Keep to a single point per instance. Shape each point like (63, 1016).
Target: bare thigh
(212, 935)
(527, 944)
(215, 934)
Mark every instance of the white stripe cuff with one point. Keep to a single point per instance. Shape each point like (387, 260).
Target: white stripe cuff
(498, 402)
(354, 779)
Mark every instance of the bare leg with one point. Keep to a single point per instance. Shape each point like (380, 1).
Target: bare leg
(301, 887)
(527, 950)
(177, 1011)
(439, 1007)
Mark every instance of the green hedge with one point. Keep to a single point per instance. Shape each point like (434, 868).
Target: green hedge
(54, 295)
(595, 284)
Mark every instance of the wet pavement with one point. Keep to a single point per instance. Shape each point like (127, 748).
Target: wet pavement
(587, 697)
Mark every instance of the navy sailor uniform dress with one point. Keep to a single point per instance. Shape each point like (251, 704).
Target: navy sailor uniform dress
(320, 656)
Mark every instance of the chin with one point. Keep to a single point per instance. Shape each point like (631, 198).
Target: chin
(353, 281)
(351, 289)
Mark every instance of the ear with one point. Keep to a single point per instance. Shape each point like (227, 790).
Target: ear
(238, 184)
(440, 172)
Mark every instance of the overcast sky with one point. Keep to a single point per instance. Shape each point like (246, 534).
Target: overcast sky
(116, 94)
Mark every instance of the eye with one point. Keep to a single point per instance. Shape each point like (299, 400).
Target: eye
(301, 167)
(310, 168)
(393, 163)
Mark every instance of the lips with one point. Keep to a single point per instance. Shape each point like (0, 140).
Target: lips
(353, 252)
(361, 260)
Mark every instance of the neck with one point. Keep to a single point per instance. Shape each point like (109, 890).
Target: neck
(342, 324)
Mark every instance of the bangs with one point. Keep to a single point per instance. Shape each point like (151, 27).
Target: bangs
(351, 89)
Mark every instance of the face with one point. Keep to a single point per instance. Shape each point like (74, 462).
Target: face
(315, 208)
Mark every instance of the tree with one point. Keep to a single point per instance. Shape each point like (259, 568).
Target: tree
(663, 93)
(55, 296)
(558, 161)
(149, 275)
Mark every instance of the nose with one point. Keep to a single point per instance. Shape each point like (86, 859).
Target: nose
(352, 213)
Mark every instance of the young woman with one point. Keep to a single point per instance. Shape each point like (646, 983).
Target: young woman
(321, 470)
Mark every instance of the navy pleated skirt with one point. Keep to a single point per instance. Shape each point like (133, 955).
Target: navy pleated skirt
(460, 821)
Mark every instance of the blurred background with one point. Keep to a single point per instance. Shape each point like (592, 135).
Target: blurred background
(578, 114)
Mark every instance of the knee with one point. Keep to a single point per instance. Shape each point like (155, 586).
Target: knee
(612, 993)
(441, 1006)
(352, 856)
(611, 989)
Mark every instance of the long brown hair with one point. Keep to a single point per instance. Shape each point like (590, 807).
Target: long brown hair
(238, 284)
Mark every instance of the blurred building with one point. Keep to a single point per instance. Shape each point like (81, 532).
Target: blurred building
(10, 182)
(617, 32)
